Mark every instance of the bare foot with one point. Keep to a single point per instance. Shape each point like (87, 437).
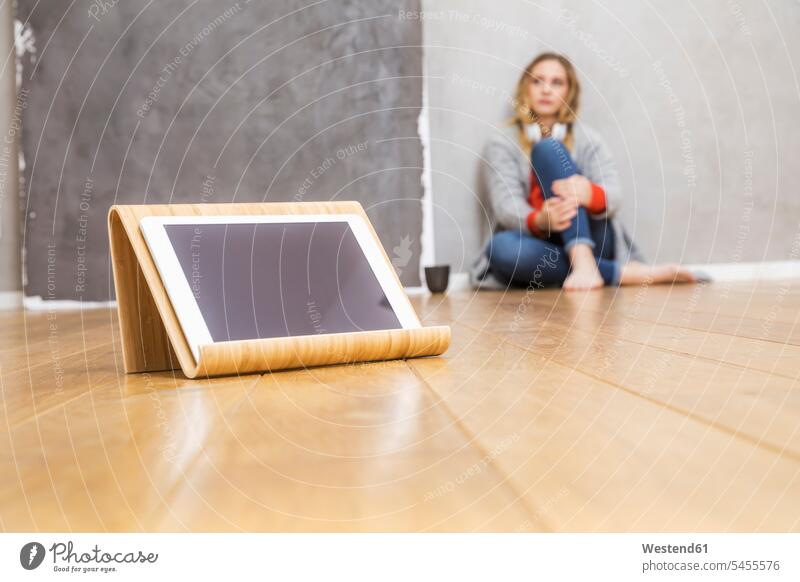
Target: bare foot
(636, 273)
(583, 274)
(583, 280)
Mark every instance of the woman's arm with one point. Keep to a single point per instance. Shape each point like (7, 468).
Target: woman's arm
(583, 191)
(601, 169)
(597, 188)
(507, 196)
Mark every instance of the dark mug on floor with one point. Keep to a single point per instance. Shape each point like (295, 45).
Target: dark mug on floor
(436, 278)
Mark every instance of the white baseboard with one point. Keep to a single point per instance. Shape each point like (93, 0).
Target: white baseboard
(719, 272)
(766, 271)
(10, 300)
(36, 303)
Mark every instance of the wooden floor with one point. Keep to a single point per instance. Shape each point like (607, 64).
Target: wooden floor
(637, 409)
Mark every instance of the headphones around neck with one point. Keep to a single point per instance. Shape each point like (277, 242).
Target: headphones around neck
(534, 132)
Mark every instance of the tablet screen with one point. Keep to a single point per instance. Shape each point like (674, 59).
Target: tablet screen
(263, 280)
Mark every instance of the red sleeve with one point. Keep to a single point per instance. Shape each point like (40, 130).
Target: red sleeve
(536, 199)
(598, 201)
(532, 224)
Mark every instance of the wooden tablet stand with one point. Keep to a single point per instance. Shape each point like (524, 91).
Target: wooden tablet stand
(152, 338)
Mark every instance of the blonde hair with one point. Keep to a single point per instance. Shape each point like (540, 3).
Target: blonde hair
(567, 114)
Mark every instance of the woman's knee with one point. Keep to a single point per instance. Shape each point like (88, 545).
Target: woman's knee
(550, 152)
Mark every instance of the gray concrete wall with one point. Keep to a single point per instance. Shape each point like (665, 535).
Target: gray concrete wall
(10, 122)
(699, 102)
(180, 101)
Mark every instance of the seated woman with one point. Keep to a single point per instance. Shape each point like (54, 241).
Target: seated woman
(554, 191)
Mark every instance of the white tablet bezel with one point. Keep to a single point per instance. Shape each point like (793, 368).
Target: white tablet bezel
(180, 293)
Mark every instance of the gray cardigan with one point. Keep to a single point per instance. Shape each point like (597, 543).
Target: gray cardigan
(508, 182)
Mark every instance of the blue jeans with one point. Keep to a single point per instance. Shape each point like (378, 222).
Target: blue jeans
(521, 259)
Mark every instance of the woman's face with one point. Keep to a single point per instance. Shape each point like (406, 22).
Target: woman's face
(547, 90)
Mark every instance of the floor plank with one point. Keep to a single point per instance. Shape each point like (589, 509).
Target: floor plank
(358, 448)
(105, 460)
(594, 457)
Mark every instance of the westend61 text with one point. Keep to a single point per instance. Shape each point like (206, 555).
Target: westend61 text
(670, 549)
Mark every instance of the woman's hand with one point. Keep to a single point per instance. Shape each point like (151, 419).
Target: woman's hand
(556, 214)
(576, 187)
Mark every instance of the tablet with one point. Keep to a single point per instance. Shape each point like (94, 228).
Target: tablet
(235, 278)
